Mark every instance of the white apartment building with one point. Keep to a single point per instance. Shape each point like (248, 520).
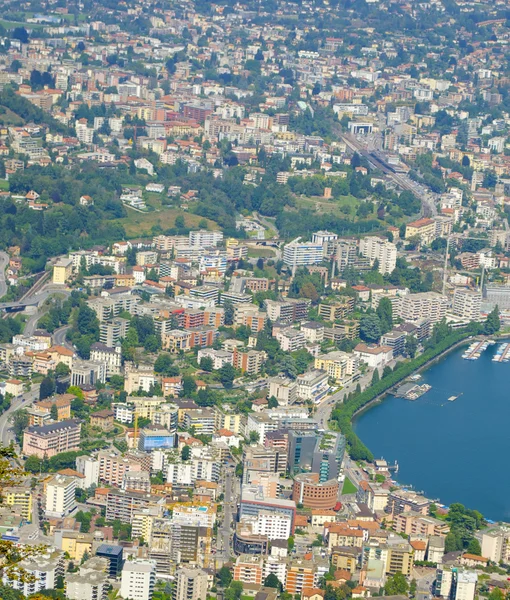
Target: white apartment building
(312, 385)
(123, 413)
(467, 304)
(424, 305)
(496, 544)
(275, 526)
(218, 357)
(274, 565)
(138, 579)
(111, 357)
(298, 254)
(464, 585)
(260, 423)
(90, 583)
(60, 496)
(204, 238)
(380, 250)
(290, 339)
(36, 573)
(89, 468)
(191, 584)
(283, 389)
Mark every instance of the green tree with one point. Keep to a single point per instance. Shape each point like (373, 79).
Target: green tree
(375, 377)
(396, 585)
(186, 453)
(370, 328)
(227, 375)
(290, 543)
(492, 323)
(206, 364)
(474, 547)
(61, 370)
(33, 463)
(254, 437)
(411, 346)
(188, 386)
(272, 402)
(54, 412)
(228, 308)
(385, 313)
(272, 581)
(224, 576)
(47, 388)
(164, 365)
(19, 421)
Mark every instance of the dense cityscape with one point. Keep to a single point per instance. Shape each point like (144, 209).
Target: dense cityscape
(227, 229)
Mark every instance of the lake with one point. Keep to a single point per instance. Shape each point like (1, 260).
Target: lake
(451, 451)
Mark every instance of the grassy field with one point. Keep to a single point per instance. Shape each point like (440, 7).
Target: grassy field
(7, 117)
(139, 224)
(349, 487)
(260, 252)
(4, 185)
(329, 205)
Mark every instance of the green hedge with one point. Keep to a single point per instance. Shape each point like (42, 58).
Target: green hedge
(343, 413)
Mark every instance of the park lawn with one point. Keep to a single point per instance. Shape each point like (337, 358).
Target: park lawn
(4, 185)
(349, 487)
(260, 253)
(329, 205)
(138, 224)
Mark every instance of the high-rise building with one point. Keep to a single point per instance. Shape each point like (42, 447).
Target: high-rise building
(90, 583)
(467, 304)
(380, 250)
(138, 579)
(60, 496)
(191, 585)
(300, 254)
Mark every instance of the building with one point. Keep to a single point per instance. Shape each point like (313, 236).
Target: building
(423, 229)
(380, 250)
(249, 569)
(89, 468)
(103, 419)
(47, 440)
(308, 491)
(340, 366)
(191, 584)
(312, 385)
(374, 356)
(300, 576)
(423, 305)
(253, 502)
(138, 579)
(76, 544)
(204, 238)
(283, 389)
(20, 497)
(62, 271)
(114, 556)
(288, 310)
(248, 361)
(111, 357)
(298, 254)
(467, 304)
(155, 437)
(60, 496)
(496, 544)
(35, 573)
(91, 581)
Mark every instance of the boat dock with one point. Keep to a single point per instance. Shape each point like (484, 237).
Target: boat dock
(475, 350)
(411, 391)
(502, 353)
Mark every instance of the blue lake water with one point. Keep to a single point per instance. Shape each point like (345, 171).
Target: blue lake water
(451, 451)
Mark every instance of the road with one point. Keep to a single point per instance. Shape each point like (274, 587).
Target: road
(4, 261)
(6, 435)
(225, 532)
(59, 337)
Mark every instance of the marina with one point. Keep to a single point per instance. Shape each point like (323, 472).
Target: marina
(412, 391)
(475, 350)
(502, 353)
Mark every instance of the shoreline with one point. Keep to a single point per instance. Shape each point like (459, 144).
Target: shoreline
(380, 398)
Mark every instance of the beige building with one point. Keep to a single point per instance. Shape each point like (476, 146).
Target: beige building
(424, 229)
(424, 305)
(340, 366)
(191, 584)
(62, 271)
(380, 250)
(467, 304)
